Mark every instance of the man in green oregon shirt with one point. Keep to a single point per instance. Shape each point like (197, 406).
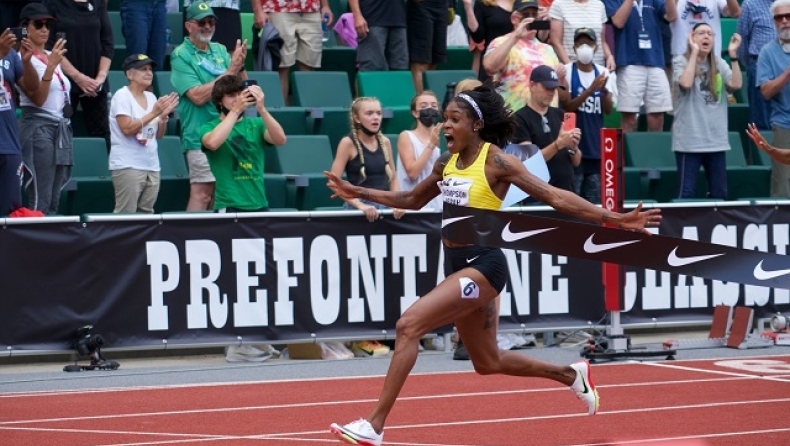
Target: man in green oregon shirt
(234, 145)
(195, 65)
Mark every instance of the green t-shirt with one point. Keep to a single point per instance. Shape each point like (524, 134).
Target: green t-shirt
(238, 165)
(189, 68)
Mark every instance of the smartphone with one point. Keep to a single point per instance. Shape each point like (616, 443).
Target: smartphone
(60, 35)
(20, 33)
(539, 25)
(249, 82)
(569, 122)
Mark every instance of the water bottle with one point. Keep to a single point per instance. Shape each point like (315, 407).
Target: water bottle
(168, 41)
(325, 28)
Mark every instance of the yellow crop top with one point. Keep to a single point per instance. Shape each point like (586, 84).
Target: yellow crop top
(469, 187)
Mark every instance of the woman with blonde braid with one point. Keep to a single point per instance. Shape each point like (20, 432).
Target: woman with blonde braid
(365, 156)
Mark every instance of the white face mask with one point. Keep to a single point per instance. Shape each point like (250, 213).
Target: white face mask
(585, 53)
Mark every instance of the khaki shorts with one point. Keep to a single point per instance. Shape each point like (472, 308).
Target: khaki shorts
(199, 170)
(637, 84)
(301, 35)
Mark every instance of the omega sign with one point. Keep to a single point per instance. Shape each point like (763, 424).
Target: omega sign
(610, 196)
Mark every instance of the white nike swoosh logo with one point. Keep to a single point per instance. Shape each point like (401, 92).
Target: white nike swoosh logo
(761, 274)
(472, 259)
(591, 247)
(509, 236)
(674, 260)
(450, 221)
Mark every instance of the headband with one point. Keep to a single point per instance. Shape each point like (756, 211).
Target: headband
(471, 102)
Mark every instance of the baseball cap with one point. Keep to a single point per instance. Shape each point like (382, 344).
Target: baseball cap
(520, 5)
(137, 61)
(35, 11)
(546, 76)
(199, 10)
(584, 32)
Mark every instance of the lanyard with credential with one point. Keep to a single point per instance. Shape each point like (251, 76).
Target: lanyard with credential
(67, 109)
(640, 4)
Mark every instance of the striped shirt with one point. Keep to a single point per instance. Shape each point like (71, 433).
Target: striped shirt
(573, 15)
(756, 27)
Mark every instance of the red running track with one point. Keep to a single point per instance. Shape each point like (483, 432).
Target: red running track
(738, 401)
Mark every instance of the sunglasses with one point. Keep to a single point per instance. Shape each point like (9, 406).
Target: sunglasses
(780, 17)
(206, 22)
(38, 24)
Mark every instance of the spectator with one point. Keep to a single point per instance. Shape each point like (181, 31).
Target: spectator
(195, 65)
(639, 55)
(418, 149)
(589, 96)
(773, 73)
(756, 28)
(511, 58)
(234, 147)
(381, 33)
(541, 124)
(228, 18)
(299, 24)
(137, 120)
(486, 20)
(16, 69)
(691, 12)
(699, 131)
(143, 23)
(365, 156)
(427, 35)
(569, 15)
(90, 49)
(45, 126)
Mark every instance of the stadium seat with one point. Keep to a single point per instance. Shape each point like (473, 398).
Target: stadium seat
(737, 121)
(117, 80)
(393, 137)
(292, 119)
(458, 58)
(340, 58)
(328, 94)
(650, 153)
(437, 80)
(93, 192)
(162, 86)
(173, 177)
(119, 41)
(759, 157)
(745, 180)
(728, 28)
(302, 159)
(394, 89)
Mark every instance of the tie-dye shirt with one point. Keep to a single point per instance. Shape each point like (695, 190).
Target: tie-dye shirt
(513, 80)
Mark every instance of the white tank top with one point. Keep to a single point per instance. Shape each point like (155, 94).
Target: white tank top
(407, 183)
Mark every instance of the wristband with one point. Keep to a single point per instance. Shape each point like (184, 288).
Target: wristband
(734, 59)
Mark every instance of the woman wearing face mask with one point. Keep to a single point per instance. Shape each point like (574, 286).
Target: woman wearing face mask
(589, 96)
(365, 155)
(699, 131)
(418, 149)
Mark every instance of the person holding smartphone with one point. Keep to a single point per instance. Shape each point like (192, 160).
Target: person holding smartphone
(511, 58)
(45, 124)
(233, 144)
(418, 149)
(541, 124)
(15, 70)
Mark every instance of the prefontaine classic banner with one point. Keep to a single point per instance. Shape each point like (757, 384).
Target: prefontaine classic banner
(210, 279)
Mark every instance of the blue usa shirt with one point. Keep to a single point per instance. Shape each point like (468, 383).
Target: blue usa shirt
(11, 67)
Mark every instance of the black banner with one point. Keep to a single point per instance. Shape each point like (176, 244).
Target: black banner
(188, 279)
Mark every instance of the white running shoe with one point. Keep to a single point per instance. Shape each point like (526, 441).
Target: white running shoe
(583, 386)
(245, 353)
(358, 432)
